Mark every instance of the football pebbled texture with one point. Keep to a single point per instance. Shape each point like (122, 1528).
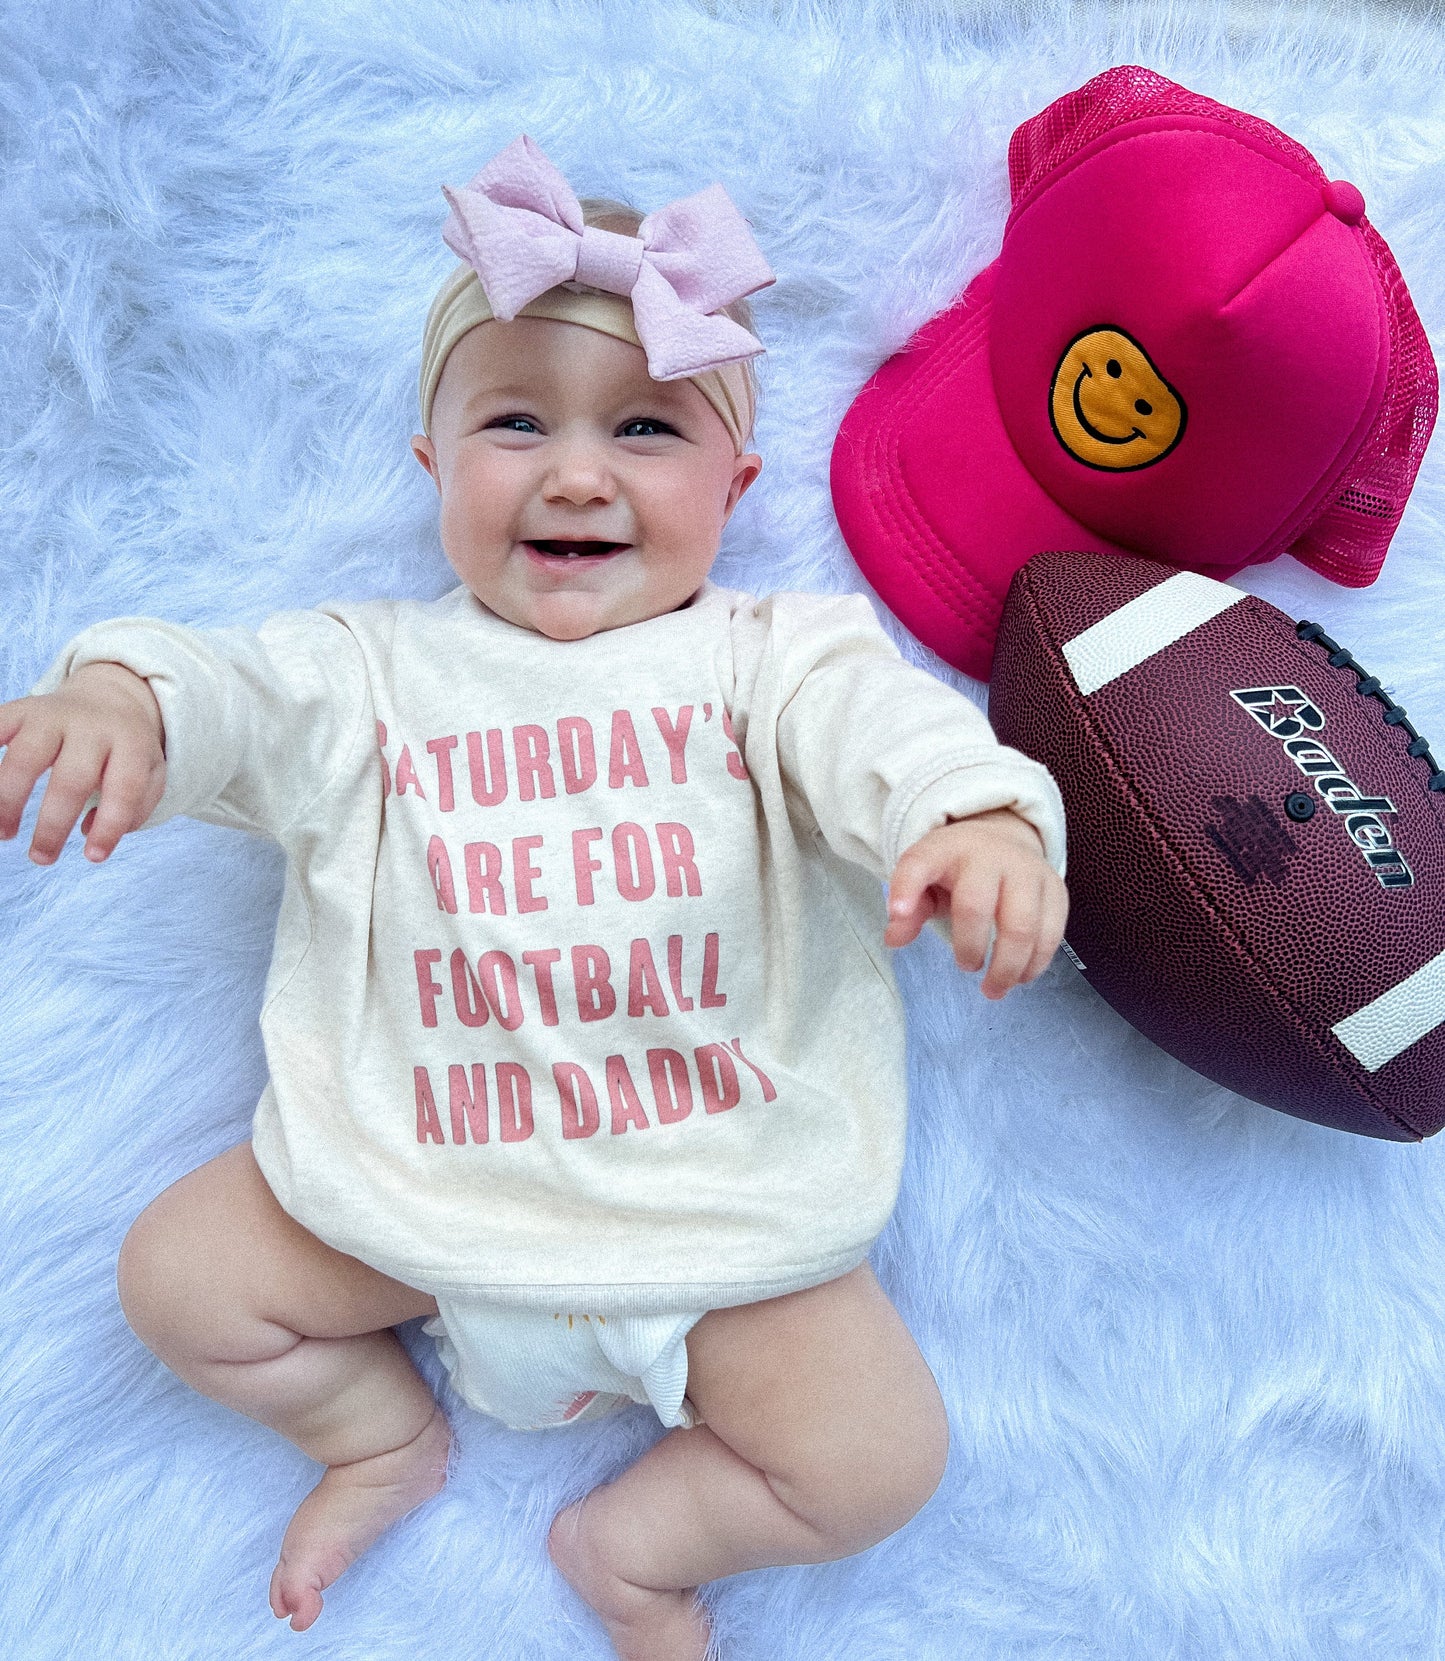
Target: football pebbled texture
(1256, 836)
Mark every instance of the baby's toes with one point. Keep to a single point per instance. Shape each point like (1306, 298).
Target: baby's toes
(295, 1594)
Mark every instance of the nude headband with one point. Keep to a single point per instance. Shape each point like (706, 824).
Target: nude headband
(461, 305)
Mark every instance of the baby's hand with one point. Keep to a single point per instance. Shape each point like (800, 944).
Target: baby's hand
(102, 729)
(988, 872)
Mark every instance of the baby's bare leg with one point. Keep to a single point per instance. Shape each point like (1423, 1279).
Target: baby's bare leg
(254, 1311)
(824, 1434)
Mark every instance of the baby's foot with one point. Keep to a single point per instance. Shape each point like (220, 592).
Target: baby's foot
(644, 1625)
(347, 1510)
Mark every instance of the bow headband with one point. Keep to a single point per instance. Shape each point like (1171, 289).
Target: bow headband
(520, 228)
(460, 305)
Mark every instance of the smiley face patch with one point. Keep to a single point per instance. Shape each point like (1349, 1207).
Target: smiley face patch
(1110, 407)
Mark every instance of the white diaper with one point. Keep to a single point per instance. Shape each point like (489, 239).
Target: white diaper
(534, 1370)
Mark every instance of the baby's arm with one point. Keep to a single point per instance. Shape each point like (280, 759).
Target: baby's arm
(256, 725)
(100, 730)
(988, 873)
(905, 777)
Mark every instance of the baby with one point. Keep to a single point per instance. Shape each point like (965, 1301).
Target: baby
(582, 1039)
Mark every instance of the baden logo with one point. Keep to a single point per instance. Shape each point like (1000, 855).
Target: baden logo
(1288, 716)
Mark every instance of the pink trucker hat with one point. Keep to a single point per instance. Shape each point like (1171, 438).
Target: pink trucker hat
(1192, 346)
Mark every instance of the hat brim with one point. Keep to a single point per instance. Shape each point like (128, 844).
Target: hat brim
(932, 499)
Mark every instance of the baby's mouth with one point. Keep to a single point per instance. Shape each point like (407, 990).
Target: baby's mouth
(583, 548)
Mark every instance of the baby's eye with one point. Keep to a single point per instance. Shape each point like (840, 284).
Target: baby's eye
(515, 423)
(645, 426)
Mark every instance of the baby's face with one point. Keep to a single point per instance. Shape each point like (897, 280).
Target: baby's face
(577, 493)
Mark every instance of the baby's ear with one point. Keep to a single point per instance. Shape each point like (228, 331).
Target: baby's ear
(426, 453)
(745, 470)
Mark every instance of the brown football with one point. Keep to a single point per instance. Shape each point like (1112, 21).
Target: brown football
(1256, 836)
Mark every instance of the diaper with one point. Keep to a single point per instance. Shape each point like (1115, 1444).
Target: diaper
(534, 1370)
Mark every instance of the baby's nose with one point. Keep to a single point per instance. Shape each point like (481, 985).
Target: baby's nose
(580, 474)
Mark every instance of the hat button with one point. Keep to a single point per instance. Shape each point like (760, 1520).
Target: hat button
(1344, 201)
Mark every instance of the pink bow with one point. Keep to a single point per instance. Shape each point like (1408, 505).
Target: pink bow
(519, 226)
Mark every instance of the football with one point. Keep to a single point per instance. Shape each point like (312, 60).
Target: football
(1256, 860)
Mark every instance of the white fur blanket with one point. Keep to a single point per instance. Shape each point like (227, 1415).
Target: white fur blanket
(1193, 1351)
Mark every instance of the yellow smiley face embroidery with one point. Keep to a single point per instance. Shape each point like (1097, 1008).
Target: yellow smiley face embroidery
(1110, 407)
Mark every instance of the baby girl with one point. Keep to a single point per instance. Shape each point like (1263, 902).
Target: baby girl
(582, 1037)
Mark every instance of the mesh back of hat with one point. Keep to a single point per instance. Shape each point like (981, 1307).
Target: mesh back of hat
(1346, 526)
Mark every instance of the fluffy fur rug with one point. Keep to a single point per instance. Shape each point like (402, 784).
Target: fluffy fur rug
(1193, 1351)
